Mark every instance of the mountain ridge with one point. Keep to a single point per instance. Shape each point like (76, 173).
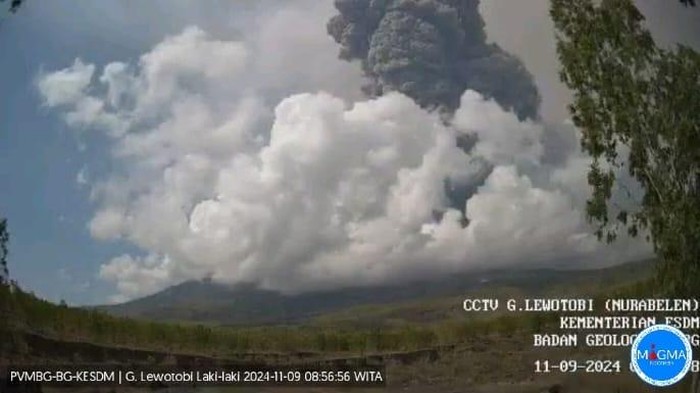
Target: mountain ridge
(205, 301)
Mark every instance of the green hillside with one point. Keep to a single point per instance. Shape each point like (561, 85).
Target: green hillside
(418, 301)
(367, 329)
(425, 344)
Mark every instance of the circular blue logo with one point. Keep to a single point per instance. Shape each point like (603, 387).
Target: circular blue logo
(661, 355)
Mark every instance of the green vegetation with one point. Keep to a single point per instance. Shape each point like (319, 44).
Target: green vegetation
(409, 303)
(30, 314)
(642, 102)
(639, 101)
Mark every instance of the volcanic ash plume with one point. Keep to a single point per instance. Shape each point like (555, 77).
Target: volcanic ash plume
(205, 179)
(432, 51)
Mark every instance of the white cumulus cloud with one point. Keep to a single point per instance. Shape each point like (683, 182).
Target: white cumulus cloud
(313, 192)
(66, 86)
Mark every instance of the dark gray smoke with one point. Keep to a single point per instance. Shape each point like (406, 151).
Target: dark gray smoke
(432, 51)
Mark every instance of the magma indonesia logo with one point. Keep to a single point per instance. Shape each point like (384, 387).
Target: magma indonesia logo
(661, 355)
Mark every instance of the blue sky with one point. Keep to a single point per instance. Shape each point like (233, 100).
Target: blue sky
(52, 250)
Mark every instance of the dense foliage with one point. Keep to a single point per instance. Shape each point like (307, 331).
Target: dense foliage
(638, 108)
(37, 316)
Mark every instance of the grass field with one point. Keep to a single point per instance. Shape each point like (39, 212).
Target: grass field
(427, 346)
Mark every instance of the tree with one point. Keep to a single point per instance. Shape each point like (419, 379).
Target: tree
(633, 98)
(14, 4)
(4, 240)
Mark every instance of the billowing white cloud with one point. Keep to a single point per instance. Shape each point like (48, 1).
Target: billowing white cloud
(512, 141)
(136, 276)
(295, 53)
(313, 193)
(66, 86)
